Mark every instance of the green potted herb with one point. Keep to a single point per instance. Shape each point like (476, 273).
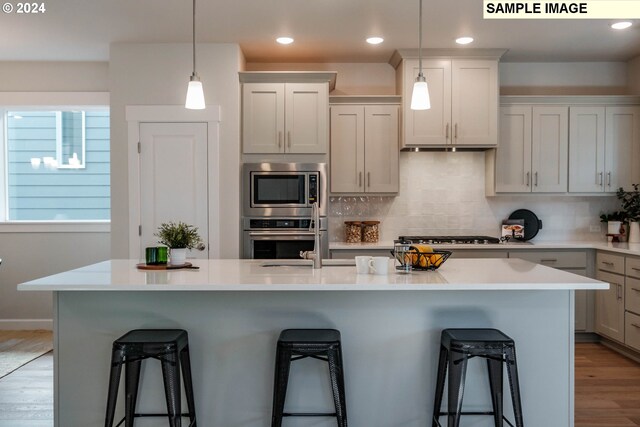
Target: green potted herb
(630, 201)
(614, 221)
(178, 237)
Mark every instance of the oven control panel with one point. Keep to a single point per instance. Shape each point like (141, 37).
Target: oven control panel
(278, 223)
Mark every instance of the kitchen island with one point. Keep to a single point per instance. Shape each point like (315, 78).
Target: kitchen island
(235, 309)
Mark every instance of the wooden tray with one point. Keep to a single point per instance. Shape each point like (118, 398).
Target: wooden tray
(144, 266)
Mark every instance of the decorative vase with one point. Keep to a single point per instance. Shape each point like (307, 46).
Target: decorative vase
(613, 227)
(178, 256)
(634, 232)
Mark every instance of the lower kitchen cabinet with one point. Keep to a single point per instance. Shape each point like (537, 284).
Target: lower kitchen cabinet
(572, 261)
(610, 306)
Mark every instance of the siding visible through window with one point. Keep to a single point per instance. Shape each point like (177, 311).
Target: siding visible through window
(49, 193)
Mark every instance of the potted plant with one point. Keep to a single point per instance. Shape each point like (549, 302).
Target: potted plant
(630, 201)
(614, 222)
(178, 237)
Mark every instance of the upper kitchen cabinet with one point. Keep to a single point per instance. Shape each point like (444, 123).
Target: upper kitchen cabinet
(464, 98)
(285, 112)
(603, 148)
(364, 149)
(533, 149)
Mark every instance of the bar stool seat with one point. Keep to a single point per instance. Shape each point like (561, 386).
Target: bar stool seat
(457, 346)
(171, 348)
(320, 344)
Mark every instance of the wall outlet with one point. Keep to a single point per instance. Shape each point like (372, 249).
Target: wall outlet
(594, 228)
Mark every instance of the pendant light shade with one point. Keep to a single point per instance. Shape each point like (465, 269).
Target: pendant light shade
(195, 94)
(420, 96)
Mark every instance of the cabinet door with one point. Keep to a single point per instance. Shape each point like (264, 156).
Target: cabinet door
(610, 306)
(513, 156)
(263, 117)
(433, 126)
(307, 114)
(621, 147)
(381, 148)
(347, 149)
(586, 149)
(550, 149)
(474, 102)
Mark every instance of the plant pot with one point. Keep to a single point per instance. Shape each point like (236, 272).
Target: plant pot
(613, 227)
(634, 232)
(178, 256)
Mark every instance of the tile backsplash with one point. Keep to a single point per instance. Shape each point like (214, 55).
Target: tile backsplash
(443, 194)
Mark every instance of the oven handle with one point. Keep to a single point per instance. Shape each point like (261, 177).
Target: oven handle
(281, 233)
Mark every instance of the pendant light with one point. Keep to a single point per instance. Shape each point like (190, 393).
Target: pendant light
(420, 96)
(195, 95)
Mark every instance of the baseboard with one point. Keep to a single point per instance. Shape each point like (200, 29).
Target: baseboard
(622, 349)
(26, 324)
(587, 337)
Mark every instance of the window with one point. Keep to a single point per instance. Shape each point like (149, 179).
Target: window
(57, 164)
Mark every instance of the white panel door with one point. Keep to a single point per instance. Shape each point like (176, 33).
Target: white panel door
(347, 149)
(381, 148)
(621, 148)
(513, 156)
(474, 102)
(307, 117)
(433, 126)
(263, 117)
(173, 179)
(550, 149)
(586, 149)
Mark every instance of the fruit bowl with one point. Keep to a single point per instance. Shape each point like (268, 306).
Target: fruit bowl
(422, 258)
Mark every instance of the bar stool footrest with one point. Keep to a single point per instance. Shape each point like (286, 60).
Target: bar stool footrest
(441, 414)
(309, 414)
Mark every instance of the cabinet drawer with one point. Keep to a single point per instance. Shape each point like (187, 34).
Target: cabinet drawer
(556, 259)
(610, 262)
(632, 267)
(632, 295)
(632, 330)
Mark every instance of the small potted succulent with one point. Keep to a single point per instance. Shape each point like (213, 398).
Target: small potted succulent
(178, 237)
(630, 201)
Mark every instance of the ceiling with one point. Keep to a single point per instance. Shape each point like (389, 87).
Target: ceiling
(325, 30)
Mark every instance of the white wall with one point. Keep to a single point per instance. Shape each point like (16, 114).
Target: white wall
(634, 76)
(353, 78)
(157, 74)
(27, 256)
(563, 78)
(443, 194)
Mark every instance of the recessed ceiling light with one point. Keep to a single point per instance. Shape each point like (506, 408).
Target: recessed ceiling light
(284, 40)
(375, 40)
(621, 25)
(464, 40)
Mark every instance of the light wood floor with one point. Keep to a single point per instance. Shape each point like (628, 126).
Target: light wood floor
(607, 391)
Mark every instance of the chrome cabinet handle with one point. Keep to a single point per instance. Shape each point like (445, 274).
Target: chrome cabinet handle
(279, 139)
(536, 175)
(609, 179)
(619, 291)
(635, 289)
(528, 178)
(455, 135)
(607, 263)
(368, 179)
(447, 132)
(600, 179)
(360, 179)
(635, 325)
(289, 139)
(549, 260)
(635, 268)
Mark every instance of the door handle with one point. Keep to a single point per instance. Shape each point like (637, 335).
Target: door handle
(528, 178)
(635, 289)
(635, 325)
(447, 133)
(619, 291)
(279, 139)
(368, 179)
(536, 175)
(455, 132)
(607, 263)
(289, 139)
(360, 179)
(600, 179)
(609, 179)
(549, 260)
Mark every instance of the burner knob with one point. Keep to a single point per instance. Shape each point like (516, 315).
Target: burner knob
(486, 241)
(476, 241)
(430, 241)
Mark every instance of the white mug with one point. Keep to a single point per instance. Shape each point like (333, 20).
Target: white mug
(362, 264)
(379, 265)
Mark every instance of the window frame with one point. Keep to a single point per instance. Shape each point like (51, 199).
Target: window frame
(52, 101)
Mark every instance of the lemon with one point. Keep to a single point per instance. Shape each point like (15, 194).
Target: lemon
(425, 261)
(436, 260)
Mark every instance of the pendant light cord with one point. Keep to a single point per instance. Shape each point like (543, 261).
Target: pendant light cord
(419, 41)
(194, 36)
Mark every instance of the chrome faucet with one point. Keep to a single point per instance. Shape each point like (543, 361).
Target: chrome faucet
(314, 225)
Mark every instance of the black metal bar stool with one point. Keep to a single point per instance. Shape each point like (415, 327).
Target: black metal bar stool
(171, 348)
(321, 344)
(457, 346)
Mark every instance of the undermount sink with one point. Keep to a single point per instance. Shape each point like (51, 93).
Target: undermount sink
(308, 263)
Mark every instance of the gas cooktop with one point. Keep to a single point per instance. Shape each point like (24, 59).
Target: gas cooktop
(461, 240)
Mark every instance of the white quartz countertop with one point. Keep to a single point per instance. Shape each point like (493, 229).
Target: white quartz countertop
(252, 275)
(623, 248)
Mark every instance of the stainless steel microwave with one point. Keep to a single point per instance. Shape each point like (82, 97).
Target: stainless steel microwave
(284, 189)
